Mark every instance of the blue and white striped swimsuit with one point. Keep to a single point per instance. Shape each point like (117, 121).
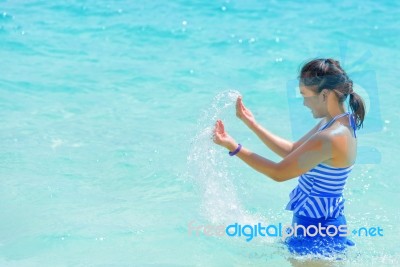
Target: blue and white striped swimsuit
(319, 192)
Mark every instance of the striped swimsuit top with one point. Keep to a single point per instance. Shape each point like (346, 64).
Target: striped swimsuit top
(319, 191)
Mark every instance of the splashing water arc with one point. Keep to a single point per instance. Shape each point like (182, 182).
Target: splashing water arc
(208, 169)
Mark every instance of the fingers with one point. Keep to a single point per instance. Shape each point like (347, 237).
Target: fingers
(240, 102)
(222, 126)
(216, 127)
(218, 130)
(219, 127)
(239, 107)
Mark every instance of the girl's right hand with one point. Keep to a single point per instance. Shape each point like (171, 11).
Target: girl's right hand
(244, 113)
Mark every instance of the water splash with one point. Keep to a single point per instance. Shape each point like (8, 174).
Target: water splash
(208, 166)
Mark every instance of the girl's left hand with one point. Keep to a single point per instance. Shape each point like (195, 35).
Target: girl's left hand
(222, 138)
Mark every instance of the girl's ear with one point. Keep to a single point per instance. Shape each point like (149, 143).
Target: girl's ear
(325, 93)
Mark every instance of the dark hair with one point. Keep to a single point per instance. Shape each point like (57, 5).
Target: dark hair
(328, 74)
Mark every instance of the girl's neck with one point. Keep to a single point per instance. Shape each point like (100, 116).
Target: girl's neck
(335, 112)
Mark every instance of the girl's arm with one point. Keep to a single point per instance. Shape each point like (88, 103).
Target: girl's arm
(280, 146)
(318, 148)
(312, 152)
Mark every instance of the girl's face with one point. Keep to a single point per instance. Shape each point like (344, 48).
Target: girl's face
(313, 100)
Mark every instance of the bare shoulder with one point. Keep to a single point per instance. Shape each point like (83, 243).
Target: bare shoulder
(339, 139)
(334, 134)
(342, 146)
(323, 136)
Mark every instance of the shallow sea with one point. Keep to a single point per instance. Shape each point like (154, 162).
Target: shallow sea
(106, 109)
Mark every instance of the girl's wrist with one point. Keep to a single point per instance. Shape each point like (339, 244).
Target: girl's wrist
(237, 150)
(232, 146)
(252, 125)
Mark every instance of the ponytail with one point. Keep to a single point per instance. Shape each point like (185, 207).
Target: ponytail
(358, 107)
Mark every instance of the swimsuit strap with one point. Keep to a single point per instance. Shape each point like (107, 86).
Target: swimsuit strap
(351, 122)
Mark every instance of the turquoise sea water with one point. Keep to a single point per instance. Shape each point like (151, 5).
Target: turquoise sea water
(106, 109)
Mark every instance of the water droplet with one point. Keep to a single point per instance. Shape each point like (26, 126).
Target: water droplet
(184, 23)
(277, 39)
(223, 8)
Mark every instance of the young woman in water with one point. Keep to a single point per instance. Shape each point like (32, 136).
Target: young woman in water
(322, 159)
